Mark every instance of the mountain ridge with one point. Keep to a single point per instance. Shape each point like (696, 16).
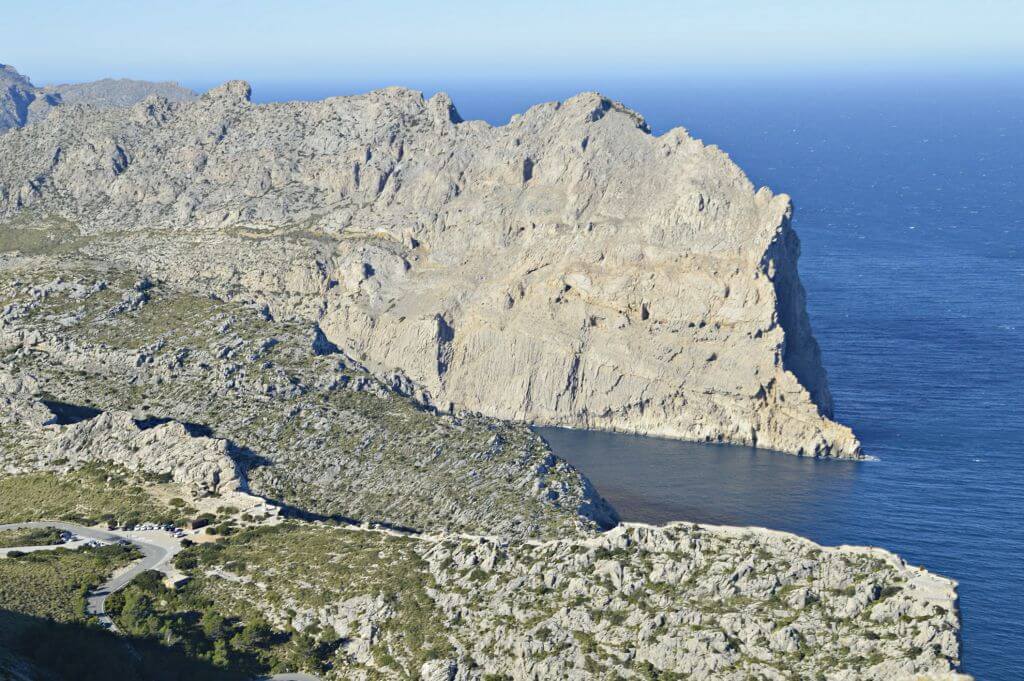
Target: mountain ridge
(22, 103)
(646, 286)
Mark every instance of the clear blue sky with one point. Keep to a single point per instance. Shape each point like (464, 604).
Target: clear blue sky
(202, 42)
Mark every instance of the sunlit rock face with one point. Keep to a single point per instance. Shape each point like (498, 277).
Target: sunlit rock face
(567, 268)
(22, 103)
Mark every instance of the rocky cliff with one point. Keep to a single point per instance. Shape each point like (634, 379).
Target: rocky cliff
(22, 103)
(567, 268)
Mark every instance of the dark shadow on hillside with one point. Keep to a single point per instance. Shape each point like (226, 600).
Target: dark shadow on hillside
(247, 458)
(193, 429)
(76, 652)
(294, 512)
(67, 414)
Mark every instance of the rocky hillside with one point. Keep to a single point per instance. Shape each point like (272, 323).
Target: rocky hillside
(380, 538)
(676, 602)
(567, 268)
(98, 367)
(22, 103)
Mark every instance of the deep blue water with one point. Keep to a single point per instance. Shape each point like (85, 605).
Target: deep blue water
(910, 205)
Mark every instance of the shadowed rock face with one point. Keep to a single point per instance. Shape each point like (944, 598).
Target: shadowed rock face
(567, 268)
(22, 103)
(16, 94)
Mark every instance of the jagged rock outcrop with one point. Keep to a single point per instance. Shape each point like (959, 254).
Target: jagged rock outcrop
(114, 355)
(22, 103)
(17, 402)
(203, 463)
(637, 602)
(567, 268)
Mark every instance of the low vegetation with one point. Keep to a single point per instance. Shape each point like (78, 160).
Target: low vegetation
(359, 574)
(32, 234)
(42, 536)
(189, 622)
(53, 584)
(40, 648)
(87, 496)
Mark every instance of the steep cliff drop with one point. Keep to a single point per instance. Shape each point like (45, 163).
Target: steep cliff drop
(567, 268)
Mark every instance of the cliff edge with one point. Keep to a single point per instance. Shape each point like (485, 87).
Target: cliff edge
(567, 268)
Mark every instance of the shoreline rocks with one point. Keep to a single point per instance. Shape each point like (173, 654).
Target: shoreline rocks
(633, 602)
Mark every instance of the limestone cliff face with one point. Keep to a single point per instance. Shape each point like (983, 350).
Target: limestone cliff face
(566, 268)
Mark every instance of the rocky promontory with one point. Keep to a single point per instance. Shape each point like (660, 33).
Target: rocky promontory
(567, 268)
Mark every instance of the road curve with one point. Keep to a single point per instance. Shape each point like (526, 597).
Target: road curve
(153, 556)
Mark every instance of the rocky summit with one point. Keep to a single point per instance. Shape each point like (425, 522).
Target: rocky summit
(22, 103)
(567, 268)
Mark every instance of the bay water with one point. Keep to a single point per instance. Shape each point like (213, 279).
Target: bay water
(909, 196)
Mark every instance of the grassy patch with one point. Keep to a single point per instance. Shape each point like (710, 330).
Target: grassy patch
(53, 584)
(349, 564)
(90, 495)
(41, 536)
(31, 234)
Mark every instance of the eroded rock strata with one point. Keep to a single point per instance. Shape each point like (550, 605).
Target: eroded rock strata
(567, 268)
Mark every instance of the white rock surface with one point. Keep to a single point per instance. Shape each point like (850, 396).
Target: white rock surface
(200, 462)
(567, 268)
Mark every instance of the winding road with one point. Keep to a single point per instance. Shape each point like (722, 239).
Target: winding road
(154, 557)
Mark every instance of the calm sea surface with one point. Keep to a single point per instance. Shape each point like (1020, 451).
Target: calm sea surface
(910, 205)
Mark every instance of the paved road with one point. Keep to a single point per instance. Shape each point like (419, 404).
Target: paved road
(153, 556)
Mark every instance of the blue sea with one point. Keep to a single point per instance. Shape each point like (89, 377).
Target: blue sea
(909, 196)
